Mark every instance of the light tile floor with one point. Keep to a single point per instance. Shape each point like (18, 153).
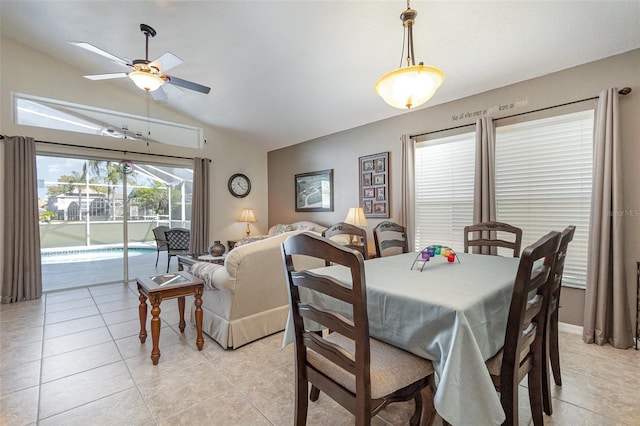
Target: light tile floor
(74, 358)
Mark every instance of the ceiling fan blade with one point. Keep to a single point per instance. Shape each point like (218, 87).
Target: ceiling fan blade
(106, 76)
(165, 62)
(92, 48)
(159, 94)
(187, 84)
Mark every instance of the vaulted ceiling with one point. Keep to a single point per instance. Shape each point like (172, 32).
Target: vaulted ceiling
(283, 72)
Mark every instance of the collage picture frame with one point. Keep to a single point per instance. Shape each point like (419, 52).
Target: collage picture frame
(374, 185)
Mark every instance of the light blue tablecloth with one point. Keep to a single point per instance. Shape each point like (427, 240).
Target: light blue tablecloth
(454, 314)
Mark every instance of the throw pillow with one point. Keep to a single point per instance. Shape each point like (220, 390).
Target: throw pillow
(281, 229)
(248, 240)
(306, 228)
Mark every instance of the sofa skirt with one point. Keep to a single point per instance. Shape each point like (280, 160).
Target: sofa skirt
(238, 332)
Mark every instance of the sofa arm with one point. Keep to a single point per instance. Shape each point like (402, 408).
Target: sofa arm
(215, 276)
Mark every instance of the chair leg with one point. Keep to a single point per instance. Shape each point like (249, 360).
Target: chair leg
(554, 351)
(314, 394)
(168, 261)
(301, 402)
(157, 257)
(534, 384)
(428, 414)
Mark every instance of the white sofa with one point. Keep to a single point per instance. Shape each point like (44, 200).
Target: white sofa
(246, 298)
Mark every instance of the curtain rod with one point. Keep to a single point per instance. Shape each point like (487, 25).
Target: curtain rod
(113, 150)
(623, 91)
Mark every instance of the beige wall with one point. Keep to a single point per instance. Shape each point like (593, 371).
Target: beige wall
(24, 70)
(341, 151)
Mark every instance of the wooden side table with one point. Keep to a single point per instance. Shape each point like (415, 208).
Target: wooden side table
(167, 286)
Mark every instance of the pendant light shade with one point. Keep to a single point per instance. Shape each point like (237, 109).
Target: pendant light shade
(412, 85)
(409, 86)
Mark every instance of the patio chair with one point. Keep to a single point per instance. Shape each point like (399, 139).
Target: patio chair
(178, 240)
(360, 373)
(161, 240)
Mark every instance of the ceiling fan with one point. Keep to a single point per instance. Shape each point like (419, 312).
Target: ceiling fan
(147, 75)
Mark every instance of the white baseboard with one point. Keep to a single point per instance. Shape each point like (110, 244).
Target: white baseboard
(569, 328)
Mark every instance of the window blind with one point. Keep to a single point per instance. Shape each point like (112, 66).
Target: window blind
(444, 171)
(543, 182)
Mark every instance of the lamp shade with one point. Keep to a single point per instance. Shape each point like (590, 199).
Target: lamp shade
(409, 87)
(355, 216)
(145, 80)
(247, 215)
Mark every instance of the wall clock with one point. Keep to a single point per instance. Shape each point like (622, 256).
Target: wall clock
(239, 185)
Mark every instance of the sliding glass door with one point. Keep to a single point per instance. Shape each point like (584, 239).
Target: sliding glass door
(97, 218)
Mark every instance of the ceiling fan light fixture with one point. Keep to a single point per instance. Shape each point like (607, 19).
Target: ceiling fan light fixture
(413, 85)
(146, 81)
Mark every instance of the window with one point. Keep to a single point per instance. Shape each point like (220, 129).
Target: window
(59, 115)
(543, 182)
(444, 170)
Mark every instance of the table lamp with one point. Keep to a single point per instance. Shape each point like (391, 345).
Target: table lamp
(355, 216)
(248, 216)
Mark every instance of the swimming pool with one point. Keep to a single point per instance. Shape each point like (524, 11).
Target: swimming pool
(89, 254)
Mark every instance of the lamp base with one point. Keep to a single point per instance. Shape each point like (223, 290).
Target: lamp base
(248, 230)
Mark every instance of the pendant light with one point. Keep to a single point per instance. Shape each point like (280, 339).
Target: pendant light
(413, 85)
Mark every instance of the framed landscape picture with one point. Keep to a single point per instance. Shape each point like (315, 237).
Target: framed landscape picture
(314, 191)
(374, 184)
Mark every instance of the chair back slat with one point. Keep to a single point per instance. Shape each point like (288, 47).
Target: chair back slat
(390, 238)
(485, 234)
(322, 284)
(335, 353)
(329, 319)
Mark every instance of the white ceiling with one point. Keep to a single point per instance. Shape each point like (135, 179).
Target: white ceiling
(284, 72)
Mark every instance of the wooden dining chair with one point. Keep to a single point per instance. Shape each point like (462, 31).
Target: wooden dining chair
(487, 239)
(177, 243)
(522, 353)
(551, 347)
(390, 239)
(360, 373)
(345, 233)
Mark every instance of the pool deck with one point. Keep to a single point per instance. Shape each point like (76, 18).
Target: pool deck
(61, 276)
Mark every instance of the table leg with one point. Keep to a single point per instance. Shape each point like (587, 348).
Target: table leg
(156, 299)
(198, 303)
(142, 310)
(181, 324)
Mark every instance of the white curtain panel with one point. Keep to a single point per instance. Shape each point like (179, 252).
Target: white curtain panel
(484, 193)
(607, 316)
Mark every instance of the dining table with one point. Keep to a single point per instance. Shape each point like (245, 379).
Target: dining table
(452, 313)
